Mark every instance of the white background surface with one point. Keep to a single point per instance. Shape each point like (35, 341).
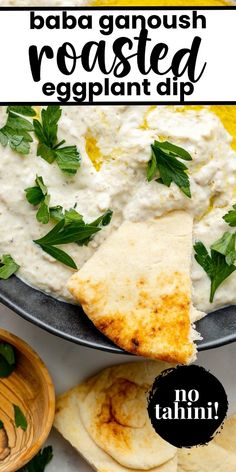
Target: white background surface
(69, 364)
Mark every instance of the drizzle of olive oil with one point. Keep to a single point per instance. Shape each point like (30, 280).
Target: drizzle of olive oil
(37, 109)
(208, 210)
(93, 150)
(226, 113)
(144, 124)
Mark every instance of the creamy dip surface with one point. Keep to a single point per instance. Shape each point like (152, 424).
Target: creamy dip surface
(114, 143)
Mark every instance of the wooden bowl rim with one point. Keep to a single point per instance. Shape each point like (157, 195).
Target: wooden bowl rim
(25, 348)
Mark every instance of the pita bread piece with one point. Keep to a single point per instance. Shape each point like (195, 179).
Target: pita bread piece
(136, 288)
(218, 456)
(70, 408)
(114, 413)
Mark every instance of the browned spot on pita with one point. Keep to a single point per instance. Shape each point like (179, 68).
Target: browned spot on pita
(141, 281)
(164, 321)
(142, 303)
(114, 421)
(109, 427)
(94, 413)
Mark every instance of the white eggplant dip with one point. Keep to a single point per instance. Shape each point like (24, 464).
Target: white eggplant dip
(114, 143)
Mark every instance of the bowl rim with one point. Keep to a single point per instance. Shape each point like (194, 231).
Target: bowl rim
(204, 345)
(25, 348)
(69, 322)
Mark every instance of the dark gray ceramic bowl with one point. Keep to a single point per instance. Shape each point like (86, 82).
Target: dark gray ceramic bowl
(70, 322)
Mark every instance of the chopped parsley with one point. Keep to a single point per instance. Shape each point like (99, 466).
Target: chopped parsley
(56, 213)
(20, 419)
(5, 368)
(7, 351)
(70, 216)
(1, 424)
(16, 131)
(39, 462)
(17, 134)
(49, 148)
(70, 228)
(165, 166)
(226, 246)
(38, 195)
(100, 222)
(7, 360)
(8, 266)
(219, 263)
(230, 217)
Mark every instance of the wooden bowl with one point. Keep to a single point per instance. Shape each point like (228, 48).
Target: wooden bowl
(30, 387)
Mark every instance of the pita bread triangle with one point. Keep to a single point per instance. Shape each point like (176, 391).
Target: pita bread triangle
(136, 288)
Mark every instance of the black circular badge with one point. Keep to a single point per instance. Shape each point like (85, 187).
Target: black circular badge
(187, 405)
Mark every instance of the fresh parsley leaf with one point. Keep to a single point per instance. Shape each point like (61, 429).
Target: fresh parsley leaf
(166, 167)
(65, 234)
(7, 266)
(20, 419)
(70, 228)
(215, 266)
(40, 183)
(72, 216)
(173, 150)
(230, 217)
(16, 131)
(50, 117)
(1, 425)
(34, 195)
(226, 246)
(59, 255)
(67, 157)
(40, 461)
(5, 368)
(7, 351)
(38, 195)
(46, 131)
(152, 168)
(103, 220)
(56, 213)
(48, 154)
(43, 213)
(23, 110)
(7, 360)
(47, 244)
